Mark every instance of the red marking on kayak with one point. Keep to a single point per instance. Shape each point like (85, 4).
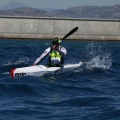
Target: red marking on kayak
(12, 72)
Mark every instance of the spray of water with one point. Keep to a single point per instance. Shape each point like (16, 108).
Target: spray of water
(17, 62)
(101, 62)
(99, 57)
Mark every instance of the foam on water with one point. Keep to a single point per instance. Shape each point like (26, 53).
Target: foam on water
(98, 57)
(102, 62)
(24, 60)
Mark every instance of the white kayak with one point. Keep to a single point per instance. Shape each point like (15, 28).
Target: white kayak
(40, 70)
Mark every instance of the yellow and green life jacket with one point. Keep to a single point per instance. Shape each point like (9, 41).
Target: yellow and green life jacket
(55, 54)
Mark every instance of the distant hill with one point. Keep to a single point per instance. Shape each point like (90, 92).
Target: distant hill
(89, 12)
(23, 12)
(12, 5)
(48, 9)
(106, 12)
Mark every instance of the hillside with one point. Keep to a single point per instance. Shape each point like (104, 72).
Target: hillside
(107, 12)
(23, 12)
(89, 12)
(12, 5)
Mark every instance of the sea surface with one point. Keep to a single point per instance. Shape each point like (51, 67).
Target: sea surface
(90, 93)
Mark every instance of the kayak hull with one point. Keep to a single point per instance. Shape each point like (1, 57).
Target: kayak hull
(40, 70)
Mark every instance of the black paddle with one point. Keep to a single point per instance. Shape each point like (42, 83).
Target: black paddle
(71, 32)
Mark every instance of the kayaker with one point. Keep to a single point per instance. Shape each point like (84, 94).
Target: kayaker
(56, 54)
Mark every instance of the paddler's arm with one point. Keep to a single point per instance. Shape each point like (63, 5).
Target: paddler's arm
(62, 51)
(43, 55)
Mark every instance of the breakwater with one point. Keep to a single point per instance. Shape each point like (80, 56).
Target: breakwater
(48, 28)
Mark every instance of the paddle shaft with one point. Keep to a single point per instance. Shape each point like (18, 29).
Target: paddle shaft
(71, 32)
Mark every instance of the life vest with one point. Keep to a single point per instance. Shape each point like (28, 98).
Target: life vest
(54, 57)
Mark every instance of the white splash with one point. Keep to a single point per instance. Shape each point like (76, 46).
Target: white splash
(47, 44)
(102, 62)
(18, 62)
(22, 60)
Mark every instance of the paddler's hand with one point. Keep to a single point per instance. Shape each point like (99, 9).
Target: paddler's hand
(34, 64)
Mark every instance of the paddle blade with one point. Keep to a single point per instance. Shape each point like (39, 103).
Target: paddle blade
(71, 32)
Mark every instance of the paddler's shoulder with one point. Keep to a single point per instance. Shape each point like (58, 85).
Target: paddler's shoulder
(62, 48)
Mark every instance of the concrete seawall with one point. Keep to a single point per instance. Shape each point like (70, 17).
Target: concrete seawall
(48, 28)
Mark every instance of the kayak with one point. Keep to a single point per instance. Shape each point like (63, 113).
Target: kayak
(40, 70)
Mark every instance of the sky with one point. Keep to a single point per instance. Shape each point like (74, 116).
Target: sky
(63, 4)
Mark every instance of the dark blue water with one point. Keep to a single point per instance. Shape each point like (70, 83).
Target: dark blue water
(91, 93)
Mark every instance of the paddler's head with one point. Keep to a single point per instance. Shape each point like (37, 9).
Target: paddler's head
(56, 41)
